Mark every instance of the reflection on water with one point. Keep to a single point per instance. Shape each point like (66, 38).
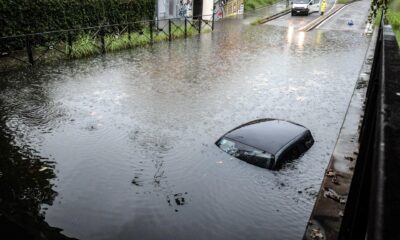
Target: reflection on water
(289, 37)
(318, 38)
(25, 185)
(300, 40)
(132, 134)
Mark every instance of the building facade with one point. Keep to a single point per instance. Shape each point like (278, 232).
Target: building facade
(183, 8)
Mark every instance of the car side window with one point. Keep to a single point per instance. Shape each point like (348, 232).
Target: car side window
(291, 153)
(295, 152)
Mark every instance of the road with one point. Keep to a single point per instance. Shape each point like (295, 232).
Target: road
(129, 136)
(297, 22)
(354, 12)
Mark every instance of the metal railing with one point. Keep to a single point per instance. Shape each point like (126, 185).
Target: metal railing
(373, 209)
(31, 48)
(360, 196)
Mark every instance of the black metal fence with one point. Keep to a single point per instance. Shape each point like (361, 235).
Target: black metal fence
(373, 206)
(31, 48)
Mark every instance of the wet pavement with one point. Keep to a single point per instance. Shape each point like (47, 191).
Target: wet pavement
(353, 12)
(128, 138)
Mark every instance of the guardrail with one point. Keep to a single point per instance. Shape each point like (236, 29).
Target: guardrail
(360, 196)
(30, 48)
(374, 210)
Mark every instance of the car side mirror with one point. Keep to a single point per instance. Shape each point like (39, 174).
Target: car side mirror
(310, 3)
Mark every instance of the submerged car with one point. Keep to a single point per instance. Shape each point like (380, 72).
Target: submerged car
(267, 143)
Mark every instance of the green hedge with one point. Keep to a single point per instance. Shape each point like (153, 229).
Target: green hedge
(393, 16)
(254, 4)
(30, 16)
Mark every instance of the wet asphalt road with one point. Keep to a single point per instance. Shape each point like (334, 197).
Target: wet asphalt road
(132, 133)
(354, 12)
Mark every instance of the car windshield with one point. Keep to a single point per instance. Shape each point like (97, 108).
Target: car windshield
(242, 151)
(300, 1)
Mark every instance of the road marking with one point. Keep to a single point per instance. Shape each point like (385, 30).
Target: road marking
(319, 25)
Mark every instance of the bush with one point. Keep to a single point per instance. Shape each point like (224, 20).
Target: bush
(394, 18)
(254, 4)
(30, 16)
(342, 1)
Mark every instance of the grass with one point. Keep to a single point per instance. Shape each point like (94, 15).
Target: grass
(342, 1)
(257, 21)
(393, 17)
(254, 4)
(85, 45)
(125, 41)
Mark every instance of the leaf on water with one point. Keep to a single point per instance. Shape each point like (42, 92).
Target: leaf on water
(43, 169)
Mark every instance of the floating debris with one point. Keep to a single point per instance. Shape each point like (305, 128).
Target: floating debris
(330, 193)
(316, 234)
(136, 181)
(350, 23)
(330, 173)
(335, 181)
(349, 158)
(43, 169)
(341, 214)
(177, 199)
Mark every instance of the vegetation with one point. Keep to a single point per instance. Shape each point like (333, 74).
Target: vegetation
(393, 17)
(25, 17)
(342, 1)
(392, 14)
(85, 45)
(254, 4)
(377, 18)
(257, 21)
(22, 16)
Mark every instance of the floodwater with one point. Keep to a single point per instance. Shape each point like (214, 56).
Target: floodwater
(122, 146)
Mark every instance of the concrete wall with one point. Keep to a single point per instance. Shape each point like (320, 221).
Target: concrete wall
(208, 7)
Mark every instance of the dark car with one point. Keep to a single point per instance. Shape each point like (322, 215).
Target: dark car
(267, 143)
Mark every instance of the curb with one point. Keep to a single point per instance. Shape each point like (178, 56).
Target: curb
(329, 207)
(272, 17)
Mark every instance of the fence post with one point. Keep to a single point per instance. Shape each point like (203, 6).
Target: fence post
(29, 50)
(169, 30)
(213, 20)
(69, 42)
(151, 31)
(185, 27)
(200, 19)
(129, 33)
(102, 41)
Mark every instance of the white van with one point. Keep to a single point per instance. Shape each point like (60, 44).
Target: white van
(305, 6)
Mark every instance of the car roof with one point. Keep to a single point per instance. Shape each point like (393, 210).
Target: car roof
(269, 135)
